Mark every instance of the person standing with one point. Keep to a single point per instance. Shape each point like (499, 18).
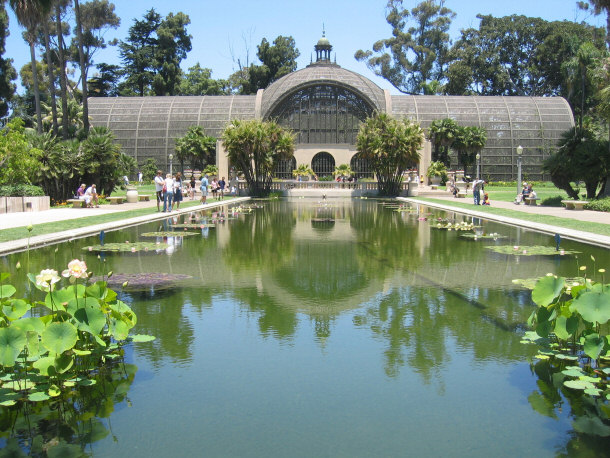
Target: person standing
(476, 191)
(204, 189)
(193, 184)
(214, 186)
(159, 183)
(140, 178)
(221, 187)
(178, 190)
(168, 197)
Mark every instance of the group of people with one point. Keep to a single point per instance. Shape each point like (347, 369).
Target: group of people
(478, 192)
(526, 192)
(88, 194)
(169, 191)
(216, 186)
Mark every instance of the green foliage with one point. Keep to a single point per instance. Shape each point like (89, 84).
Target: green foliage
(149, 169)
(343, 170)
(469, 141)
(102, 160)
(21, 190)
(443, 133)
(253, 147)
(392, 147)
(77, 329)
(418, 56)
(196, 148)
(211, 170)
(199, 81)
(276, 60)
(303, 170)
(600, 205)
(436, 169)
(18, 161)
(7, 71)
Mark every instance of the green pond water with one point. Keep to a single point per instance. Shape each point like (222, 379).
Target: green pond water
(306, 328)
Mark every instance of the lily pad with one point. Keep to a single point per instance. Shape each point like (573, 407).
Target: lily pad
(483, 237)
(127, 247)
(167, 234)
(578, 384)
(193, 226)
(535, 250)
(593, 307)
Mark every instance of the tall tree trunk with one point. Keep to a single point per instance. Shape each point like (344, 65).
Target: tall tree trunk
(35, 80)
(45, 27)
(65, 122)
(83, 69)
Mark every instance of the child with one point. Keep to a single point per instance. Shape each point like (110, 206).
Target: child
(486, 199)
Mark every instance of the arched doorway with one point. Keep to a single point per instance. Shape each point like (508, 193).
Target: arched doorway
(323, 164)
(284, 167)
(361, 167)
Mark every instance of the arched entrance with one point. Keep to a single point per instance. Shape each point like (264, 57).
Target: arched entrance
(323, 164)
(284, 167)
(361, 167)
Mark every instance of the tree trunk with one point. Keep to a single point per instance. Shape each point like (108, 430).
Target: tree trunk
(45, 26)
(65, 122)
(83, 69)
(35, 80)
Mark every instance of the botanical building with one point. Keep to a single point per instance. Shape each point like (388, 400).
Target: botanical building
(324, 105)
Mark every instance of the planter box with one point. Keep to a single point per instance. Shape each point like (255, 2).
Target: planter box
(24, 204)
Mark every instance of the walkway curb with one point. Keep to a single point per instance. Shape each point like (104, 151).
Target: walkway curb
(579, 236)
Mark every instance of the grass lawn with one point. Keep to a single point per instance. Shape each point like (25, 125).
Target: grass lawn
(508, 194)
(595, 228)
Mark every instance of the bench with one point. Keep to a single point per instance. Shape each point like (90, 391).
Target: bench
(574, 204)
(77, 203)
(115, 200)
(531, 200)
(144, 197)
(461, 194)
(434, 187)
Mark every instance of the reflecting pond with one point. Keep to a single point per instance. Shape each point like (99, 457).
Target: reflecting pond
(305, 328)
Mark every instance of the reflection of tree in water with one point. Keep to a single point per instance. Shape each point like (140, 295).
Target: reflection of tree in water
(261, 239)
(66, 426)
(589, 414)
(273, 320)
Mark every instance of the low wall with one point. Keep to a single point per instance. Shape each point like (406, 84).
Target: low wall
(24, 204)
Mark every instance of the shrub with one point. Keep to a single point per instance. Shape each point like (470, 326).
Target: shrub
(552, 202)
(600, 205)
(21, 190)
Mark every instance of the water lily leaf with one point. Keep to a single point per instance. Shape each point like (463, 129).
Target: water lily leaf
(536, 250)
(578, 384)
(59, 337)
(90, 318)
(127, 247)
(29, 324)
(78, 352)
(594, 344)
(168, 234)
(54, 391)
(59, 298)
(573, 372)
(142, 338)
(542, 404)
(38, 396)
(8, 398)
(44, 364)
(118, 329)
(64, 450)
(12, 341)
(567, 357)
(593, 307)
(33, 344)
(63, 363)
(591, 425)
(15, 309)
(6, 291)
(547, 290)
(593, 391)
(87, 382)
(541, 357)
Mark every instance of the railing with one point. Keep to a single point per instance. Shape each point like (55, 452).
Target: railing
(289, 185)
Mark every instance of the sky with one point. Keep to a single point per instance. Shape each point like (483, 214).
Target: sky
(224, 31)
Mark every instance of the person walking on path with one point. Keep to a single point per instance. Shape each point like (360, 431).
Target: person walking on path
(168, 197)
(204, 189)
(192, 189)
(159, 183)
(221, 187)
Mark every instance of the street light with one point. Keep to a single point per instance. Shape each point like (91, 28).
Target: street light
(519, 154)
(478, 156)
(171, 158)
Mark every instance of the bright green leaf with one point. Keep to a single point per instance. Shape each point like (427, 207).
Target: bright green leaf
(7, 291)
(593, 307)
(12, 342)
(59, 337)
(547, 290)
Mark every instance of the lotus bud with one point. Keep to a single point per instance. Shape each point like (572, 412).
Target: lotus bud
(29, 227)
(125, 284)
(110, 274)
(18, 265)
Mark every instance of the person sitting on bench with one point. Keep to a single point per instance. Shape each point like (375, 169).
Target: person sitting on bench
(91, 196)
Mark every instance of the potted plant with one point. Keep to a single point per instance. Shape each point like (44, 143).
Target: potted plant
(436, 172)
(303, 172)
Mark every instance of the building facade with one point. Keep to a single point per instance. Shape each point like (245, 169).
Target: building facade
(324, 105)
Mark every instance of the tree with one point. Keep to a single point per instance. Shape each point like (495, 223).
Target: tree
(392, 147)
(173, 44)
(7, 71)
(469, 141)
(253, 148)
(63, 83)
(516, 55)
(149, 169)
(195, 147)
(410, 60)
(198, 81)
(343, 171)
(18, 161)
(276, 61)
(599, 7)
(443, 133)
(102, 157)
(105, 82)
(83, 68)
(30, 14)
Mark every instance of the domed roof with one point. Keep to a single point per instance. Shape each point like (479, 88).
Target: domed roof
(323, 42)
(326, 74)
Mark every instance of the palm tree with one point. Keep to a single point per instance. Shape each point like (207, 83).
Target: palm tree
(443, 133)
(45, 28)
(303, 170)
(30, 14)
(468, 142)
(63, 84)
(83, 69)
(343, 171)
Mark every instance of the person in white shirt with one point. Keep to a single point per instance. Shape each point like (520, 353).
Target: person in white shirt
(91, 196)
(159, 183)
(168, 197)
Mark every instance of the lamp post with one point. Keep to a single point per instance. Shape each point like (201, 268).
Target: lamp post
(478, 156)
(519, 154)
(171, 158)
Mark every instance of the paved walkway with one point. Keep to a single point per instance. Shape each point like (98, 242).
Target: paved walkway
(445, 201)
(21, 219)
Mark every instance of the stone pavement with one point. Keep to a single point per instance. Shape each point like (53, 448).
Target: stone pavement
(22, 219)
(445, 200)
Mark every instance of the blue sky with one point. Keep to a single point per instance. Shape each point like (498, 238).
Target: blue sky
(221, 30)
